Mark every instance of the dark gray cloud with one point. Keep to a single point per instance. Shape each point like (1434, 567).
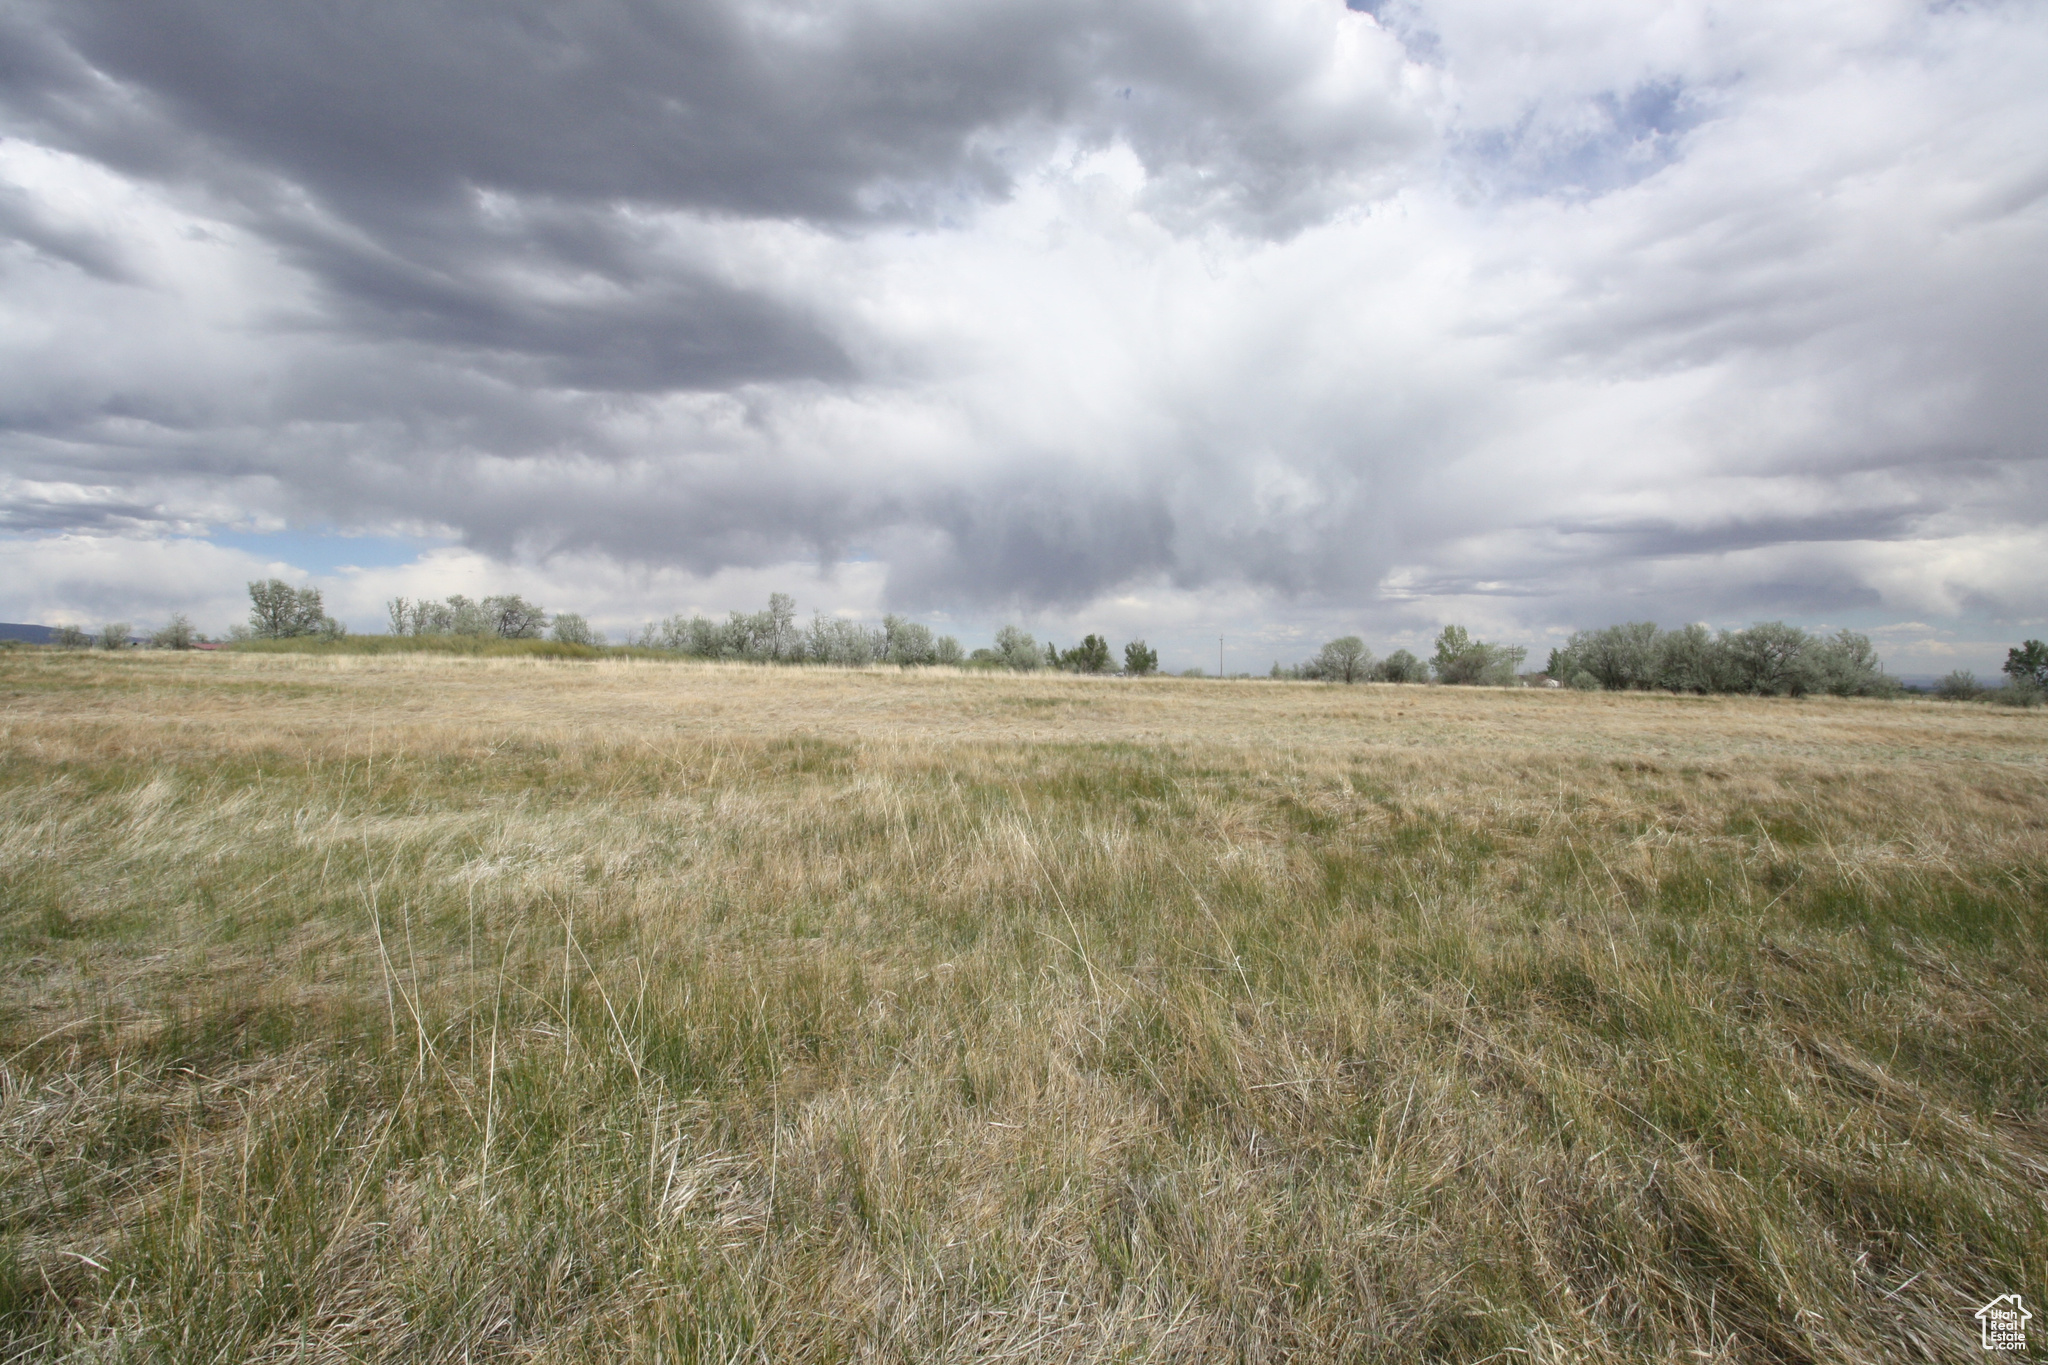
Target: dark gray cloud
(95, 253)
(23, 514)
(657, 326)
(369, 142)
(466, 185)
(829, 112)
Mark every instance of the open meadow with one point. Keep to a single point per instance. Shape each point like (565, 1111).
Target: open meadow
(406, 1007)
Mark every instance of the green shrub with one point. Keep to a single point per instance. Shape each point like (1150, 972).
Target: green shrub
(1463, 661)
(572, 629)
(1960, 685)
(176, 634)
(1401, 667)
(1090, 656)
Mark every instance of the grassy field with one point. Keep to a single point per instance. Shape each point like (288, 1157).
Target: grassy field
(433, 1008)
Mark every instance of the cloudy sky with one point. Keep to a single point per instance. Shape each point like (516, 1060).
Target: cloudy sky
(1269, 319)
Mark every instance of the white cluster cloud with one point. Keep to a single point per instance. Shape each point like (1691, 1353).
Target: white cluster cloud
(1182, 320)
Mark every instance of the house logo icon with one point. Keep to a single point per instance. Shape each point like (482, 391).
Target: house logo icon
(2003, 1322)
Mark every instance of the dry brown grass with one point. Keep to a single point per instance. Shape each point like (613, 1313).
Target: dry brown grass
(442, 1008)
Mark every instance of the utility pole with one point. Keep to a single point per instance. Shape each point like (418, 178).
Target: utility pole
(1219, 656)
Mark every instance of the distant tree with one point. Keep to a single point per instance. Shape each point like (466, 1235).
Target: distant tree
(462, 616)
(176, 634)
(833, 640)
(423, 617)
(769, 635)
(711, 639)
(1640, 656)
(907, 644)
(278, 611)
(512, 617)
(1140, 659)
(946, 650)
(571, 629)
(746, 636)
(1453, 650)
(2027, 666)
(1766, 659)
(1015, 649)
(1090, 656)
(71, 637)
(1462, 660)
(1845, 665)
(1690, 659)
(1620, 658)
(783, 640)
(1344, 660)
(114, 635)
(1401, 667)
(1960, 685)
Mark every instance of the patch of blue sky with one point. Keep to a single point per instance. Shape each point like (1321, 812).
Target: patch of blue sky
(324, 553)
(1631, 136)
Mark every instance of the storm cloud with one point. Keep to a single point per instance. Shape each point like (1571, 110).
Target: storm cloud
(1534, 316)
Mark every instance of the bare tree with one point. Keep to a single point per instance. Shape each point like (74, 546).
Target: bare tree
(512, 617)
(176, 634)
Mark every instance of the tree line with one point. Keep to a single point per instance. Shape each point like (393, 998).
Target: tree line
(177, 633)
(771, 635)
(1459, 660)
(2026, 679)
(1769, 658)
